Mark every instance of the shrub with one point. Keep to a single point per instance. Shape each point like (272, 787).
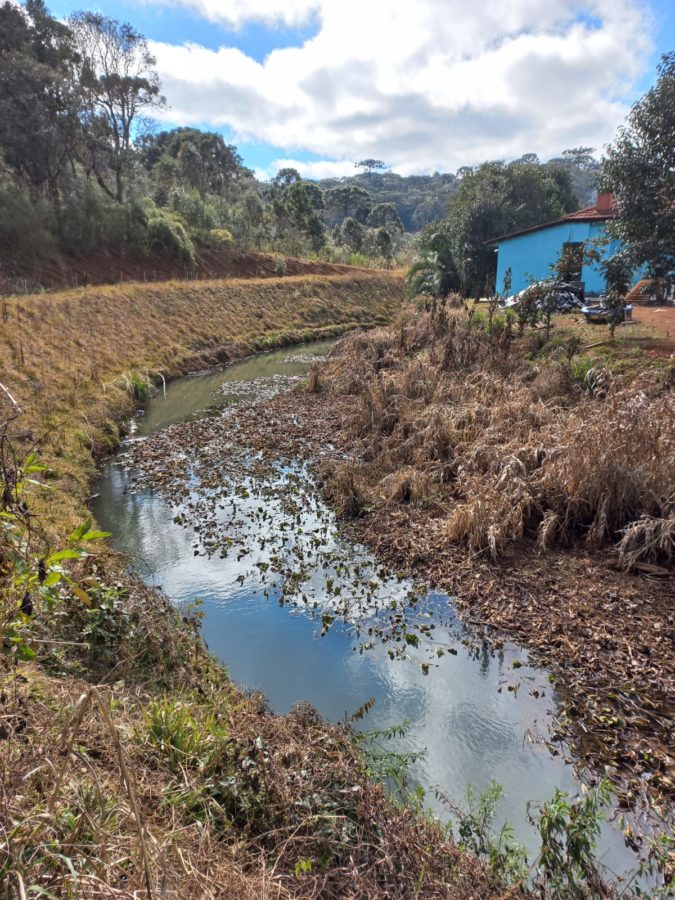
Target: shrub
(25, 232)
(90, 220)
(199, 216)
(219, 236)
(167, 233)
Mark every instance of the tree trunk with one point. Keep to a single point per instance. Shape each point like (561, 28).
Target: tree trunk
(119, 182)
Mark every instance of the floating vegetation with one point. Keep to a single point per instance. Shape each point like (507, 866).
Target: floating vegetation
(268, 513)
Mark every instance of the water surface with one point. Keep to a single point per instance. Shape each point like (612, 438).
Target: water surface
(476, 715)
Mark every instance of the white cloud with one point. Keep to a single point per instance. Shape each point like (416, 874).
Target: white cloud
(422, 84)
(235, 13)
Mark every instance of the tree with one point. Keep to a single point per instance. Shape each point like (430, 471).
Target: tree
(349, 200)
(39, 96)
(351, 234)
(296, 209)
(639, 168)
(121, 87)
(368, 165)
(495, 199)
(203, 160)
(580, 157)
(385, 215)
(435, 274)
(283, 180)
(617, 270)
(249, 219)
(384, 244)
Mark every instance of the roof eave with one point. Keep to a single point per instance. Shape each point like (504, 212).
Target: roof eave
(563, 221)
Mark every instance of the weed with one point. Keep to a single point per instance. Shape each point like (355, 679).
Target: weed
(184, 735)
(475, 832)
(580, 369)
(569, 832)
(139, 386)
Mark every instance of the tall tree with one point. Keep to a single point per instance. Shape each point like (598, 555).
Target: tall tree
(581, 157)
(296, 209)
(121, 87)
(283, 180)
(639, 168)
(39, 96)
(349, 200)
(493, 199)
(385, 215)
(204, 161)
(369, 165)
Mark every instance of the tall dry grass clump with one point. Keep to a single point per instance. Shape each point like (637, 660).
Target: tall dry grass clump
(512, 446)
(611, 464)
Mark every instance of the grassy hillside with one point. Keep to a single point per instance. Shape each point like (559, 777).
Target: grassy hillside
(76, 361)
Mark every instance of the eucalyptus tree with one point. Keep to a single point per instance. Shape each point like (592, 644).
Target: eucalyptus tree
(121, 90)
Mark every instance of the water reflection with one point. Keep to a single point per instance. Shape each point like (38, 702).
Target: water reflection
(476, 715)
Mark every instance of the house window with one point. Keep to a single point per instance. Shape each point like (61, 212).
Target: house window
(572, 260)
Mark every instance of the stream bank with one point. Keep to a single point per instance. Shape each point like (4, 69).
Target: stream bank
(297, 611)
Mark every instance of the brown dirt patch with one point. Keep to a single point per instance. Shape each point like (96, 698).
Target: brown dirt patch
(652, 329)
(111, 267)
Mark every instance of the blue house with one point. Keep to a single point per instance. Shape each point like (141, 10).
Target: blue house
(530, 253)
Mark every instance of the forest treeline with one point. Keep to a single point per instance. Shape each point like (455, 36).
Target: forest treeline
(84, 167)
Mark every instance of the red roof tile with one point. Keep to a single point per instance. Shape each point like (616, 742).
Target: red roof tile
(588, 214)
(591, 213)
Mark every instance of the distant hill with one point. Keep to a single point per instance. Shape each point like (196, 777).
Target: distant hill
(419, 199)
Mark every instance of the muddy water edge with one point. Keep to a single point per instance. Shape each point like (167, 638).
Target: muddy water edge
(298, 611)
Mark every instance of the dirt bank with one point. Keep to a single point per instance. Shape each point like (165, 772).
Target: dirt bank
(111, 267)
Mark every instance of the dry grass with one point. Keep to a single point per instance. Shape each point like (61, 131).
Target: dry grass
(343, 487)
(517, 448)
(648, 538)
(69, 358)
(497, 471)
(202, 795)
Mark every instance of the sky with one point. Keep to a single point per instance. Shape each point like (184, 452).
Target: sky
(425, 85)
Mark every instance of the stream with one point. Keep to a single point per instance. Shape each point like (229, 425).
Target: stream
(297, 611)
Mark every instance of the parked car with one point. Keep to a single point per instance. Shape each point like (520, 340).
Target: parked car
(598, 312)
(566, 296)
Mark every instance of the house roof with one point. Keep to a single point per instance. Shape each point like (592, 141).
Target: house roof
(588, 214)
(591, 213)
